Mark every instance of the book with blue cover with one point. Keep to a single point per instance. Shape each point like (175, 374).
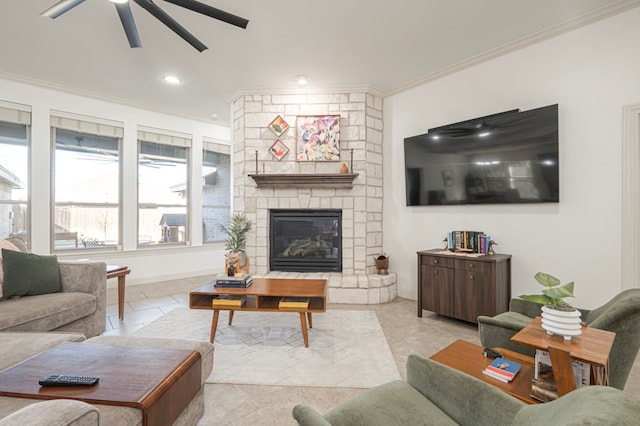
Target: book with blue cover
(502, 369)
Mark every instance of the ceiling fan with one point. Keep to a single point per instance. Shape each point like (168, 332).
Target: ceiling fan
(129, 25)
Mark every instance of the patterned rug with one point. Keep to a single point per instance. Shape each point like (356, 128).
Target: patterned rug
(346, 348)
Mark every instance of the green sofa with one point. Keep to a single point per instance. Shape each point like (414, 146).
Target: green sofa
(435, 394)
(620, 315)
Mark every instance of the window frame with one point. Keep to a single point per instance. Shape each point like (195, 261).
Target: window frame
(20, 114)
(168, 138)
(94, 126)
(221, 147)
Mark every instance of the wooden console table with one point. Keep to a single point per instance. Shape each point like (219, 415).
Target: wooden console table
(160, 382)
(263, 296)
(120, 272)
(463, 287)
(592, 346)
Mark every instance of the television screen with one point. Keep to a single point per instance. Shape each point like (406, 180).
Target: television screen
(510, 157)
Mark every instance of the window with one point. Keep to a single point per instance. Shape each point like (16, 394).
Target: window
(163, 187)
(15, 121)
(216, 189)
(86, 167)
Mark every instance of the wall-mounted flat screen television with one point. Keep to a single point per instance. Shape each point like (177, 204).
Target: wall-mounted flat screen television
(510, 157)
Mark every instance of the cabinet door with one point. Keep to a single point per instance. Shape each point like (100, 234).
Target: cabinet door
(438, 289)
(471, 287)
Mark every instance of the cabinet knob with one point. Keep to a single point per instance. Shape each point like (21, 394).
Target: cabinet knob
(435, 261)
(471, 266)
(435, 272)
(471, 276)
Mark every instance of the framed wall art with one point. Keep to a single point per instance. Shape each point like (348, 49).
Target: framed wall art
(278, 149)
(279, 126)
(318, 138)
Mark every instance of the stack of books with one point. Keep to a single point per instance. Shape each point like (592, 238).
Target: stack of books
(294, 302)
(543, 386)
(229, 300)
(502, 369)
(468, 242)
(233, 282)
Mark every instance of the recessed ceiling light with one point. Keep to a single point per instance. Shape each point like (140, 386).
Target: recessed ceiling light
(119, 1)
(171, 79)
(301, 79)
(214, 116)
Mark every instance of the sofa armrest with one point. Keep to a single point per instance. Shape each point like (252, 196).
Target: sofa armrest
(62, 412)
(307, 416)
(463, 398)
(83, 277)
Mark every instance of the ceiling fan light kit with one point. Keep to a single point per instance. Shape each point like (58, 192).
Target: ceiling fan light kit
(128, 24)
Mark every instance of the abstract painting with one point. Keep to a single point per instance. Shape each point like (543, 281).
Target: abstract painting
(318, 138)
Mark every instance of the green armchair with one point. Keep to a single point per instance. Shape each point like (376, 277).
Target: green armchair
(435, 394)
(620, 315)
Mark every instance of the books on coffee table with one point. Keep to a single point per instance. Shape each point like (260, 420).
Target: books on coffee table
(502, 369)
(223, 280)
(294, 302)
(229, 300)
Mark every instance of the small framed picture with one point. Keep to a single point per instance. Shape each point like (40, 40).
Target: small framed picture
(279, 126)
(278, 149)
(447, 177)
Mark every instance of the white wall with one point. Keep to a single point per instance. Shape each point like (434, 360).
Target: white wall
(592, 73)
(147, 265)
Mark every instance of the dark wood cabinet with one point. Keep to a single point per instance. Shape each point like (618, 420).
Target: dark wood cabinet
(463, 287)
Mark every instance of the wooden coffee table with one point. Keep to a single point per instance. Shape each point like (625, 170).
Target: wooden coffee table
(160, 382)
(467, 357)
(263, 296)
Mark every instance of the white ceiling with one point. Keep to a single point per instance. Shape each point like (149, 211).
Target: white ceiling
(385, 46)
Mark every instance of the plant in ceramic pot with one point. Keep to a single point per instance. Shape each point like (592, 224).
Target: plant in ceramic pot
(236, 244)
(382, 263)
(558, 317)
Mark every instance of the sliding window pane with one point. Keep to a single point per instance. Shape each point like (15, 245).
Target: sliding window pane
(216, 194)
(14, 179)
(162, 193)
(86, 190)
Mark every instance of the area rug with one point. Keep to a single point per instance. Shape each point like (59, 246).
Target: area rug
(346, 348)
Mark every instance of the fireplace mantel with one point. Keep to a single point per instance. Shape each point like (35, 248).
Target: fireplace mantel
(318, 180)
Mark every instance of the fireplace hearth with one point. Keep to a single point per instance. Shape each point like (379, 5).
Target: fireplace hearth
(305, 240)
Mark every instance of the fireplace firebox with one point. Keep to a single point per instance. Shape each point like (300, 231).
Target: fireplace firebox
(305, 240)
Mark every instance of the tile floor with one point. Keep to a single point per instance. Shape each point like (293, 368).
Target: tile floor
(254, 405)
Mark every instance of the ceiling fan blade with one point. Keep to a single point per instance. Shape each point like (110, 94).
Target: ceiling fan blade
(129, 25)
(173, 25)
(61, 7)
(211, 11)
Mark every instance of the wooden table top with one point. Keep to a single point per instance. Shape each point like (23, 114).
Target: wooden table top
(592, 346)
(292, 287)
(129, 376)
(467, 357)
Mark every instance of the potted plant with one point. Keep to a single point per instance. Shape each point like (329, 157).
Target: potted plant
(558, 317)
(382, 263)
(236, 244)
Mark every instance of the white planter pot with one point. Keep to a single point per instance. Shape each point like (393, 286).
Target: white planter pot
(561, 323)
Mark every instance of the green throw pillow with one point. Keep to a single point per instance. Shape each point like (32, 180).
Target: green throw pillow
(27, 274)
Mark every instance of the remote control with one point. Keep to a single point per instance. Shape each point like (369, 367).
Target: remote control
(68, 380)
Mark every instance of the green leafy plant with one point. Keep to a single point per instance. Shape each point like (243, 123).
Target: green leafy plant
(553, 294)
(237, 231)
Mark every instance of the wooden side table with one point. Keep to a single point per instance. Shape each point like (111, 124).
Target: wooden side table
(120, 272)
(592, 346)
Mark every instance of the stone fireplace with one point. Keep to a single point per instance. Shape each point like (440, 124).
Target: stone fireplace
(264, 184)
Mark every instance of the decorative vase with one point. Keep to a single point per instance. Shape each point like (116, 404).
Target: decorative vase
(561, 323)
(382, 263)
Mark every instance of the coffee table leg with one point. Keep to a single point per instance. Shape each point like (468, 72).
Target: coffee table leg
(309, 320)
(305, 333)
(214, 325)
(231, 316)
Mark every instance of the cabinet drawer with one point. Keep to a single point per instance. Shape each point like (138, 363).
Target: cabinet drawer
(445, 262)
(472, 266)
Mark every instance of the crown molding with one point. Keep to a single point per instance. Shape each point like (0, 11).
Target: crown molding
(305, 90)
(551, 32)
